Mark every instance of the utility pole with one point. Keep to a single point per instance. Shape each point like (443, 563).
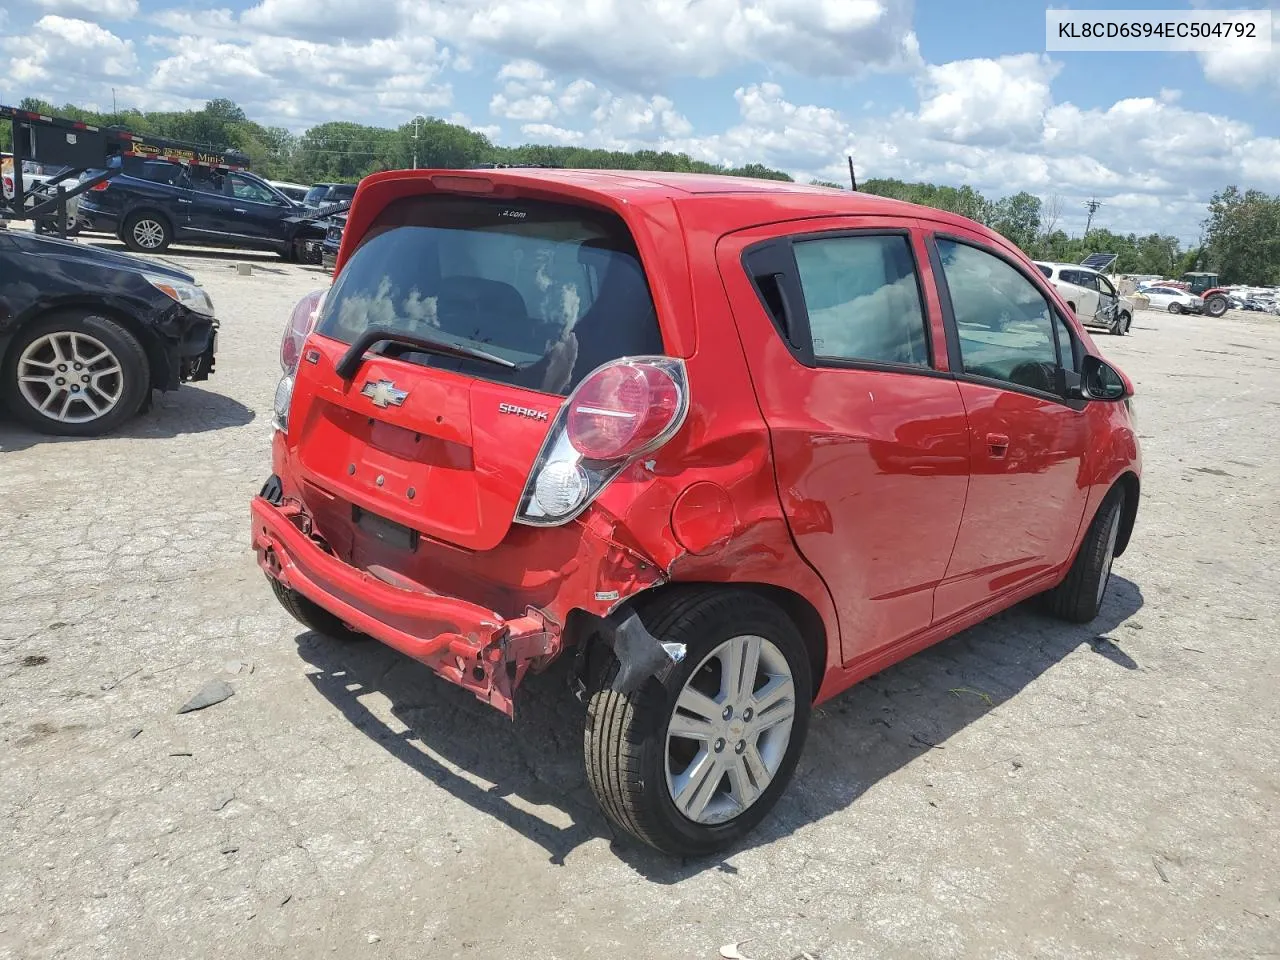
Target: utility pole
(1092, 204)
(853, 179)
(115, 114)
(417, 121)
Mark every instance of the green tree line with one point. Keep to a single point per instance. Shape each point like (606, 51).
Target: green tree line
(341, 151)
(1241, 233)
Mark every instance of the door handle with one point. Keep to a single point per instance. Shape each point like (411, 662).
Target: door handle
(180, 200)
(998, 445)
(238, 210)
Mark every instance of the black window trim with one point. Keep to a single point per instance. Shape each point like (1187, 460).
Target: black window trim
(799, 341)
(954, 355)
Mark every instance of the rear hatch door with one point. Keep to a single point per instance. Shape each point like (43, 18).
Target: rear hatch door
(521, 298)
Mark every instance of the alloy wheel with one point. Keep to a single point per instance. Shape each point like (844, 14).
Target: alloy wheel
(730, 729)
(70, 377)
(148, 234)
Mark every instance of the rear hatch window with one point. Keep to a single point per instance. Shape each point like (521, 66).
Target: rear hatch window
(555, 289)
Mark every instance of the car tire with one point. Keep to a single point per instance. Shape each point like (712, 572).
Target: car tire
(1175, 307)
(628, 740)
(1120, 326)
(311, 615)
(147, 232)
(119, 376)
(1079, 597)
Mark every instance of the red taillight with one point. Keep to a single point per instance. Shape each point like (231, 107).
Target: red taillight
(301, 323)
(620, 412)
(620, 409)
(99, 187)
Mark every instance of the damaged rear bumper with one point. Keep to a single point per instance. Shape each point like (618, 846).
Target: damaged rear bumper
(463, 642)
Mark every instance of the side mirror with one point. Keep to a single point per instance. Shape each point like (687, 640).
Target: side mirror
(1101, 381)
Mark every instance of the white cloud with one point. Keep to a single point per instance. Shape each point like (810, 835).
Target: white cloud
(524, 92)
(96, 9)
(529, 93)
(218, 24)
(298, 82)
(492, 131)
(536, 107)
(1152, 162)
(1248, 69)
(638, 43)
(579, 95)
(56, 52)
(324, 20)
(547, 133)
(642, 42)
(987, 101)
(524, 72)
(632, 117)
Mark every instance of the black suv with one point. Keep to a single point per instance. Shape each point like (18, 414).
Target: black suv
(323, 195)
(154, 203)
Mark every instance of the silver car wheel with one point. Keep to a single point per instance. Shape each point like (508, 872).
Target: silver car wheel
(70, 377)
(730, 729)
(148, 234)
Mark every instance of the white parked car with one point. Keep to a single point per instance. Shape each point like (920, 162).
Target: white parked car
(1090, 295)
(1172, 299)
(36, 180)
(294, 191)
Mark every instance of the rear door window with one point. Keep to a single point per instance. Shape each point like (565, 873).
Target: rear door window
(862, 299)
(554, 288)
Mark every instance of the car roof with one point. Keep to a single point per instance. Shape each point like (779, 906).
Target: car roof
(770, 200)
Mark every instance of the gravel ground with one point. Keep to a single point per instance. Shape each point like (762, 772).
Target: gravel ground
(1024, 789)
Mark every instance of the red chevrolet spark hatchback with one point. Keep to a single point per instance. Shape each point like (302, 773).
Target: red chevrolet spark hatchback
(731, 445)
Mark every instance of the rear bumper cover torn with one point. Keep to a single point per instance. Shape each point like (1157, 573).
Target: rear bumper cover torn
(464, 643)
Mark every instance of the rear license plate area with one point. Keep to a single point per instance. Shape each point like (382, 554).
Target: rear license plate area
(386, 531)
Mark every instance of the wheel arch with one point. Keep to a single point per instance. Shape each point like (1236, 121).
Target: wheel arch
(587, 632)
(157, 363)
(1129, 483)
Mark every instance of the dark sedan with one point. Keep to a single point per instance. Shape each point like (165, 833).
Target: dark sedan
(86, 334)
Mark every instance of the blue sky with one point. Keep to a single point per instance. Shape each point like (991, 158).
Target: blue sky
(952, 92)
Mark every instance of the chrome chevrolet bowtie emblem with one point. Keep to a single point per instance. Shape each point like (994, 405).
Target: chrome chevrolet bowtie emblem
(383, 393)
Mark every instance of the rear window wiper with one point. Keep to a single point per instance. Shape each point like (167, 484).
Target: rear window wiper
(351, 360)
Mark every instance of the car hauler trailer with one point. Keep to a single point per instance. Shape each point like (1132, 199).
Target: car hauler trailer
(81, 148)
